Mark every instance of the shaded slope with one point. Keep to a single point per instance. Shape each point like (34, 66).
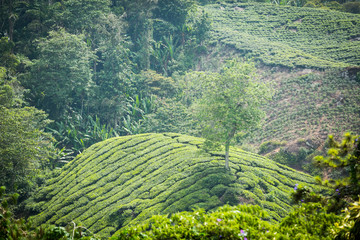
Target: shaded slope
(127, 179)
(288, 36)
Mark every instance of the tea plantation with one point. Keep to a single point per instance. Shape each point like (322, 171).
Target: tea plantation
(126, 180)
(288, 36)
(311, 105)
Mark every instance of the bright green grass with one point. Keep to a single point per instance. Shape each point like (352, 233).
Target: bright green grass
(288, 36)
(126, 180)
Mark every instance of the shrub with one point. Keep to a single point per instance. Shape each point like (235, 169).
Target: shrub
(268, 146)
(349, 227)
(308, 221)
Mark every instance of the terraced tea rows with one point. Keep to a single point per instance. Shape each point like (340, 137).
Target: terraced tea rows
(288, 36)
(125, 180)
(312, 105)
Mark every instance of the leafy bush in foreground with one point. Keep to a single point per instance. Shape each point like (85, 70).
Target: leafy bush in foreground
(308, 221)
(349, 227)
(238, 222)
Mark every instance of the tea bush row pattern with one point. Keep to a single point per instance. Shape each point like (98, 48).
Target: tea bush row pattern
(126, 180)
(288, 36)
(315, 104)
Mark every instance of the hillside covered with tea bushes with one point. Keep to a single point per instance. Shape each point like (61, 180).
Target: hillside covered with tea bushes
(311, 105)
(126, 180)
(288, 36)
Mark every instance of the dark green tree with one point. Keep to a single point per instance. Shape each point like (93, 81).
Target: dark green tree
(343, 157)
(61, 78)
(139, 15)
(83, 16)
(9, 15)
(24, 147)
(104, 34)
(174, 12)
(8, 61)
(114, 77)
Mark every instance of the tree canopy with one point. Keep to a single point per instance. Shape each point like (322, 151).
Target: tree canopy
(231, 102)
(61, 78)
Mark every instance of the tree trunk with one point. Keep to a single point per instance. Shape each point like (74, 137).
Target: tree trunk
(149, 37)
(227, 148)
(12, 19)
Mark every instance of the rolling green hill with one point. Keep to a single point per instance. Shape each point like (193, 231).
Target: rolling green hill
(128, 179)
(288, 36)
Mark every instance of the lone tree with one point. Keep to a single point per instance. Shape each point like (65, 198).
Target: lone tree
(230, 102)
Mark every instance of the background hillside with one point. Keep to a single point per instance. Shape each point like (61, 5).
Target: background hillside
(126, 180)
(310, 56)
(288, 36)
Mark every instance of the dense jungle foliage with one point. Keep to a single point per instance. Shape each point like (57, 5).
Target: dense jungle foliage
(272, 77)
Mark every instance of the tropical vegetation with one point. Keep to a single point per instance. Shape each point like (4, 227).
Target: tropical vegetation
(230, 118)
